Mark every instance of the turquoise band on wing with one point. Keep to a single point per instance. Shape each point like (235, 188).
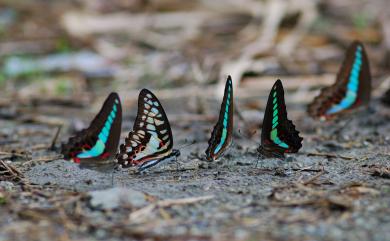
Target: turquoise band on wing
(352, 86)
(225, 123)
(100, 144)
(275, 123)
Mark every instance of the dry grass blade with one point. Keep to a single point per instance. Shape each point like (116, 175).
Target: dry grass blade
(166, 203)
(329, 202)
(10, 173)
(311, 180)
(330, 155)
(43, 159)
(380, 171)
(12, 154)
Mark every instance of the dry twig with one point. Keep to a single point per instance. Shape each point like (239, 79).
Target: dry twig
(330, 155)
(43, 159)
(141, 213)
(11, 173)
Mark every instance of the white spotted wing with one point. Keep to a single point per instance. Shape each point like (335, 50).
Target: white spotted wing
(151, 137)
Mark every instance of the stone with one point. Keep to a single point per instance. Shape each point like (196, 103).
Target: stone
(114, 198)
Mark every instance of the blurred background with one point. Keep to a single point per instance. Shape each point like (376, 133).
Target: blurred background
(74, 52)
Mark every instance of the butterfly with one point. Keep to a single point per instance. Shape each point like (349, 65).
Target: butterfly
(278, 134)
(351, 89)
(221, 137)
(96, 146)
(150, 142)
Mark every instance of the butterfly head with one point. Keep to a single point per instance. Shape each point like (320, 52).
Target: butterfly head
(213, 153)
(175, 152)
(210, 156)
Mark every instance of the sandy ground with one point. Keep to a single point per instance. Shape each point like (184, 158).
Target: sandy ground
(325, 192)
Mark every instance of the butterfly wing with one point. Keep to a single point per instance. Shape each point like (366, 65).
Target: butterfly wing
(221, 137)
(151, 139)
(351, 89)
(96, 146)
(278, 134)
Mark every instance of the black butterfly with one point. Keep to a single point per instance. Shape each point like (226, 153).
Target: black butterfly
(221, 137)
(278, 134)
(351, 89)
(96, 146)
(150, 141)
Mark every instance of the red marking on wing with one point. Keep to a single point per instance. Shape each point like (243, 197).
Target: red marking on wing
(105, 155)
(141, 161)
(86, 146)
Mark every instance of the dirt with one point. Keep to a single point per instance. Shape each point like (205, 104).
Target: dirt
(324, 192)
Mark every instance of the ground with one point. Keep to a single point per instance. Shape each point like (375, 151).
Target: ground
(335, 188)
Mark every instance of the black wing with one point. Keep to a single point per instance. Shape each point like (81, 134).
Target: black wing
(96, 146)
(278, 134)
(351, 89)
(221, 137)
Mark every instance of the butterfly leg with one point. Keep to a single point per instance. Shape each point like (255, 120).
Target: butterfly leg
(112, 177)
(257, 162)
(259, 157)
(177, 165)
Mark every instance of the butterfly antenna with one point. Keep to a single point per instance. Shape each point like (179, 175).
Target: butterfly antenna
(340, 129)
(237, 112)
(248, 137)
(177, 164)
(259, 157)
(54, 141)
(187, 145)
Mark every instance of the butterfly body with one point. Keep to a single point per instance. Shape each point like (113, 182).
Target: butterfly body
(278, 134)
(150, 141)
(221, 137)
(96, 146)
(170, 157)
(352, 88)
